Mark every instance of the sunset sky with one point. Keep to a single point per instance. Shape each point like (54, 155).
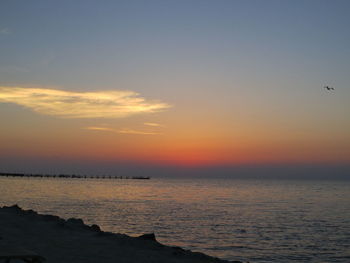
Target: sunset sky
(173, 84)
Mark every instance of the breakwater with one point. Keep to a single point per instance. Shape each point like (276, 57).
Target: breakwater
(74, 176)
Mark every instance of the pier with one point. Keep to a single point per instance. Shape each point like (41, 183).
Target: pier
(74, 176)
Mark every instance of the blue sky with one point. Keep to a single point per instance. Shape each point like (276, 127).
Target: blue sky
(63, 42)
(236, 78)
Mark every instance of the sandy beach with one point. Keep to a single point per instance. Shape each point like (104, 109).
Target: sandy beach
(59, 240)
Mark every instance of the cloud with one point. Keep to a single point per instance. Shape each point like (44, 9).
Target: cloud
(68, 104)
(4, 31)
(123, 131)
(47, 59)
(14, 69)
(153, 124)
(130, 131)
(94, 128)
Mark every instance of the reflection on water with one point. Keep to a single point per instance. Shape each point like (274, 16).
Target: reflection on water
(259, 221)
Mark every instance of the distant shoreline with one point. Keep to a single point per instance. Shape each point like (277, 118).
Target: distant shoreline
(58, 240)
(74, 176)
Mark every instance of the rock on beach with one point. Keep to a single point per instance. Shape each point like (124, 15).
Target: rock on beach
(72, 241)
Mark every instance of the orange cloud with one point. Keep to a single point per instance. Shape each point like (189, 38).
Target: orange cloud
(153, 124)
(68, 104)
(122, 131)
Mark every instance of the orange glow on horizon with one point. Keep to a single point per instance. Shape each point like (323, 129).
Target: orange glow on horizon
(187, 145)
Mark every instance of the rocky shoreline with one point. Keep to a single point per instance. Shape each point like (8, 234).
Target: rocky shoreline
(72, 241)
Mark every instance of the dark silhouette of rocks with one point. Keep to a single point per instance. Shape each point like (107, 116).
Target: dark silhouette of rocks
(72, 241)
(150, 236)
(95, 228)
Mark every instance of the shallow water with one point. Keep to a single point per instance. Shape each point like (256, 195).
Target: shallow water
(256, 221)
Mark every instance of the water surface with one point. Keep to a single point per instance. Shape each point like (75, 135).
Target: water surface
(259, 221)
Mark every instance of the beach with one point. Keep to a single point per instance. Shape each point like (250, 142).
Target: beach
(219, 218)
(59, 240)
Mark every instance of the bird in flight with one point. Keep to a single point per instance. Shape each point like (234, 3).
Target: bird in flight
(328, 88)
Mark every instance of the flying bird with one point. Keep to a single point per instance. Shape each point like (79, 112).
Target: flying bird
(328, 88)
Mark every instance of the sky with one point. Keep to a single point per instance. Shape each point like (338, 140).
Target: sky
(145, 86)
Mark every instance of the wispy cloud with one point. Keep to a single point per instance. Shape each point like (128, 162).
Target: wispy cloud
(47, 59)
(5, 31)
(130, 131)
(14, 69)
(94, 128)
(68, 104)
(123, 131)
(153, 124)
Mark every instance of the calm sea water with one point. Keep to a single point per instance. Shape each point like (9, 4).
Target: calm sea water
(256, 221)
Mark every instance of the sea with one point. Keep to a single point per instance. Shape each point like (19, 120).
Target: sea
(249, 220)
